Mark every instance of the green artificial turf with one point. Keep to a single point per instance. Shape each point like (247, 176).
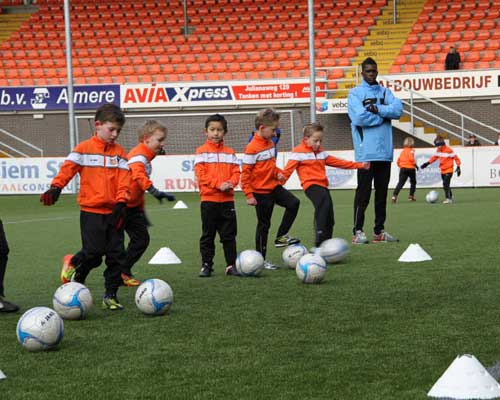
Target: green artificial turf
(374, 329)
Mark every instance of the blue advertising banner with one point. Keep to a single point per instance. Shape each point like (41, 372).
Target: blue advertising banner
(56, 97)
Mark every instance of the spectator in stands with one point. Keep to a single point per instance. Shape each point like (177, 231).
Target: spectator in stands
(472, 141)
(371, 108)
(5, 305)
(452, 60)
(152, 136)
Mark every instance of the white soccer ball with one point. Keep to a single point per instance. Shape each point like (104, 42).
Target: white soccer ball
(250, 263)
(40, 328)
(292, 254)
(432, 196)
(72, 301)
(154, 297)
(334, 250)
(311, 268)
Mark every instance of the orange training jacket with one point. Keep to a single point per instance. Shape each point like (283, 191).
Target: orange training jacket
(104, 176)
(446, 155)
(259, 172)
(215, 164)
(310, 165)
(139, 164)
(407, 158)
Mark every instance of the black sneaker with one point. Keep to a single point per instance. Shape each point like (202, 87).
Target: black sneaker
(206, 271)
(7, 306)
(231, 270)
(285, 240)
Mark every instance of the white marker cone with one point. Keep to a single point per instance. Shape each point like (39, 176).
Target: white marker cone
(165, 256)
(414, 253)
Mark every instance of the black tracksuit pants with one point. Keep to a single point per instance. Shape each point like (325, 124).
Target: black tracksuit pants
(404, 175)
(4, 257)
(136, 226)
(323, 213)
(446, 178)
(264, 210)
(221, 218)
(100, 239)
(380, 174)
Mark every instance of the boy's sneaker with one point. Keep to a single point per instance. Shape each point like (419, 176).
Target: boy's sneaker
(7, 306)
(112, 303)
(270, 265)
(206, 271)
(359, 238)
(231, 270)
(411, 198)
(384, 237)
(448, 201)
(285, 240)
(129, 280)
(68, 269)
(394, 199)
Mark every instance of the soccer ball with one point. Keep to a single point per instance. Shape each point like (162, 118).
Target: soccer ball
(311, 268)
(154, 297)
(432, 196)
(72, 301)
(40, 328)
(334, 250)
(292, 254)
(250, 263)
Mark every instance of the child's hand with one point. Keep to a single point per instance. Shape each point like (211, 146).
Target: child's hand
(251, 201)
(280, 177)
(225, 186)
(366, 165)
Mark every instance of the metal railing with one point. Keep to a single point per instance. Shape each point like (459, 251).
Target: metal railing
(15, 150)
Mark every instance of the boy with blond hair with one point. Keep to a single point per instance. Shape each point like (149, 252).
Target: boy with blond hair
(152, 136)
(218, 172)
(260, 181)
(310, 161)
(104, 182)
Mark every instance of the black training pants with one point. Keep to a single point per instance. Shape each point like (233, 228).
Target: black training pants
(4, 257)
(323, 213)
(446, 185)
(404, 174)
(380, 174)
(136, 226)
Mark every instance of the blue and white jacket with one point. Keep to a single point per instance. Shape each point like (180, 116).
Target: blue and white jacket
(372, 133)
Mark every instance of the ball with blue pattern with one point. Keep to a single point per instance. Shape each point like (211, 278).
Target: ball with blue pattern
(40, 328)
(72, 301)
(154, 297)
(311, 268)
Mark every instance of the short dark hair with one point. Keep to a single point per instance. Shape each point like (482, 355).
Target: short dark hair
(368, 61)
(110, 113)
(217, 118)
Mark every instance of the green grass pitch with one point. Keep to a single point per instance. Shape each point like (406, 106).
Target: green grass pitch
(374, 329)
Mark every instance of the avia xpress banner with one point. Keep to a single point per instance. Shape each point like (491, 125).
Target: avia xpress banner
(52, 98)
(156, 95)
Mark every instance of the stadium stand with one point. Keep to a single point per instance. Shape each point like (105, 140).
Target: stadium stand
(110, 34)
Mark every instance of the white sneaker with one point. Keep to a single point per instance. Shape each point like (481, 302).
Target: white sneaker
(448, 201)
(270, 265)
(359, 238)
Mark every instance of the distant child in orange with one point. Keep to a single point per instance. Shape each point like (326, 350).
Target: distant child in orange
(446, 157)
(152, 136)
(310, 161)
(218, 172)
(407, 169)
(260, 181)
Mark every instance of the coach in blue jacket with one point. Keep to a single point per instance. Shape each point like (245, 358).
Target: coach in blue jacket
(371, 108)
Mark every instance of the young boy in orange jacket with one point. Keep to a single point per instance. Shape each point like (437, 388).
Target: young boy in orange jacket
(103, 196)
(218, 172)
(260, 181)
(407, 169)
(446, 157)
(310, 161)
(152, 136)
